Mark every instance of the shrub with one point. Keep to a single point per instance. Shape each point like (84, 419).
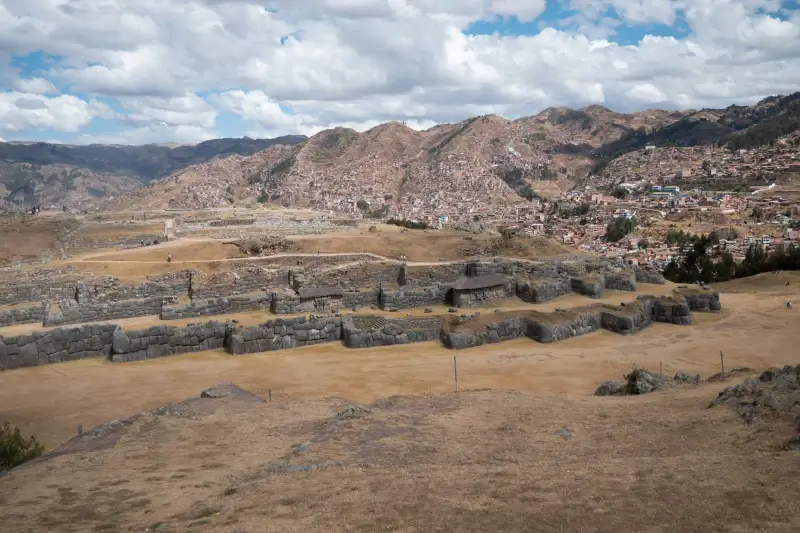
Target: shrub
(16, 449)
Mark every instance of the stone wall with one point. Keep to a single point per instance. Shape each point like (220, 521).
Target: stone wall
(241, 281)
(71, 312)
(478, 297)
(560, 325)
(354, 298)
(218, 306)
(502, 330)
(22, 315)
(288, 304)
(160, 341)
(368, 331)
(281, 334)
(628, 318)
(700, 299)
(620, 281)
(56, 345)
(37, 292)
(670, 310)
(136, 240)
(590, 285)
(543, 290)
(648, 275)
(410, 297)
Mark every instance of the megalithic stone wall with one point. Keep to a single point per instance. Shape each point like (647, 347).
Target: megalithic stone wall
(701, 299)
(543, 290)
(284, 333)
(410, 297)
(620, 281)
(71, 312)
(22, 315)
(56, 346)
(369, 331)
(591, 285)
(218, 306)
(160, 341)
(649, 275)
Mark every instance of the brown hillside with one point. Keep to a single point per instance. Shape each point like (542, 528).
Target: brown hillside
(394, 170)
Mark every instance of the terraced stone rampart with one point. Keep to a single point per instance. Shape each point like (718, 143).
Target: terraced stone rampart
(160, 341)
(218, 306)
(72, 312)
(369, 331)
(22, 315)
(410, 297)
(284, 333)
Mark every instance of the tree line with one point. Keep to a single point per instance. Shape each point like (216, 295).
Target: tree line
(701, 263)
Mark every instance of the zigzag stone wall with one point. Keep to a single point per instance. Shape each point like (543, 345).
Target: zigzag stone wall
(56, 345)
(281, 334)
(589, 285)
(369, 331)
(218, 306)
(160, 341)
(543, 290)
(502, 330)
(287, 304)
(71, 312)
(410, 297)
(22, 315)
(649, 275)
(703, 300)
(620, 281)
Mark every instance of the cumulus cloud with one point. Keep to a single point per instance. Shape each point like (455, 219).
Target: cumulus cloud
(21, 112)
(171, 67)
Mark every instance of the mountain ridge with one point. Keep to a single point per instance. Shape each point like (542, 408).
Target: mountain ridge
(390, 168)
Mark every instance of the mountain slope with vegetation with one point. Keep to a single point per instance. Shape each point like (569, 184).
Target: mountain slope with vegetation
(75, 176)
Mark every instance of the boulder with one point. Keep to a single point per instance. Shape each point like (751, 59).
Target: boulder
(640, 381)
(611, 388)
(683, 377)
(120, 342)
(229, 390)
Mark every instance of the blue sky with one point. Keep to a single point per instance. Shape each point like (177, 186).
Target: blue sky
(197, 71)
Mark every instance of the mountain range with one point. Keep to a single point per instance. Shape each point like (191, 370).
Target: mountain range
(389, 169)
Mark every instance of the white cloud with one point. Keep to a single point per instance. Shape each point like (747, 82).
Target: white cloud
(288, 66)
(33, 85)
(20, 112)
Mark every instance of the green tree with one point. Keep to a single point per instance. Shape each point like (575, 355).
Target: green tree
(619, 227)
(16, 449)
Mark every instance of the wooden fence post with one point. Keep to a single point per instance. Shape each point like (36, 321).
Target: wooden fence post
(455, 371)
(722, 361)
